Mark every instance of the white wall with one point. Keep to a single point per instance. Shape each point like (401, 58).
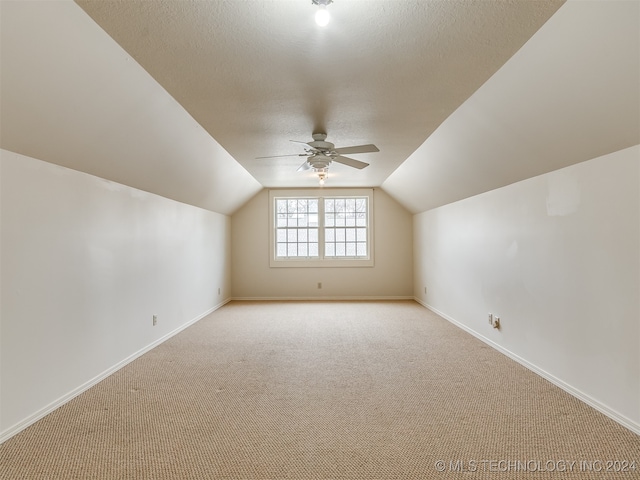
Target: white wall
(390, 277)
(557, 257)
(72, 96)
(568, 95)
(86, 263)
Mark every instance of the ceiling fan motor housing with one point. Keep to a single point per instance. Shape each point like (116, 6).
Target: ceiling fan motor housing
(320, 144)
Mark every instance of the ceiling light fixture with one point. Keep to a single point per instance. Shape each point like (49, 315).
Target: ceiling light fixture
(320, 165)
(322, 15)
(322, 175)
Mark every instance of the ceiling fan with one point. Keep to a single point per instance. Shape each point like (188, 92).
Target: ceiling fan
(321, 153)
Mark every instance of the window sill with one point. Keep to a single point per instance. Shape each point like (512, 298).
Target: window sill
(321, 263)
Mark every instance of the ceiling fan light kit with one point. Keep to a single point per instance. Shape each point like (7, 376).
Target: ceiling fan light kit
(322, 15)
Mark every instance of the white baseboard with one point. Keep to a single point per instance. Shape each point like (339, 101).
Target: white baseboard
(31, 419)
(580, 395)
(320, 299)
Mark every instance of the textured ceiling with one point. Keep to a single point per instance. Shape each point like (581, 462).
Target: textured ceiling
(179, 97)
(259, 73)
(571, 94)
(71, 96)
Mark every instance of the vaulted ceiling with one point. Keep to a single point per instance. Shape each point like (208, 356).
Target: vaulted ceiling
(257, 74)
(180, 97)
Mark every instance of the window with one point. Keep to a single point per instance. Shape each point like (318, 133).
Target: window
(345, 227)
(296, 227)
(332, 229)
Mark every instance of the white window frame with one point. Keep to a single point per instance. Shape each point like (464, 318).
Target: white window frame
(321, 260)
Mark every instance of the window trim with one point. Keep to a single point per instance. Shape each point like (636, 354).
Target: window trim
(321, 261)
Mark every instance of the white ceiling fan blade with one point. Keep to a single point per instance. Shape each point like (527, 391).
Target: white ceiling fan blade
(369, 148)
(279, 156)
(304, 166)
(350, 162)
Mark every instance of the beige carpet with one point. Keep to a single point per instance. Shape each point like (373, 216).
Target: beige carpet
(315, 390)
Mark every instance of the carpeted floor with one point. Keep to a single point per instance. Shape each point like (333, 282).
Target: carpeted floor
(323, 390)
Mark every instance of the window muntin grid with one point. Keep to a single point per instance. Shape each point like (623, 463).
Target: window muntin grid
(288, 216)
(297, 227)
(345, 227)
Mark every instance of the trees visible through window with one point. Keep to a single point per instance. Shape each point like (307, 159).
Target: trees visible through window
(345, 227)
(323, 230)
(296, 227)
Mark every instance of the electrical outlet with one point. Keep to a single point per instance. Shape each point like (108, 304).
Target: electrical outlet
(155, 320)
(491, 319)
(425, 290)
(496, 322)
(218, 290)
(319, 284)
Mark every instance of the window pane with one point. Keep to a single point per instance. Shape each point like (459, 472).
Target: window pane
(292, 249)
(313, 205)
(313, 220)
(313, 235)
(302, 249)
(302, 235)
(340, 236)
(350, 204)
(362, 235)
(329, 235)
(351, 249)
(281, 250)
(340, 250)
(329, 205)
(281, 235)
(292, 235)
(313, 249)
(361, 249)
(351, 235)
(329, 249)
(329, 220)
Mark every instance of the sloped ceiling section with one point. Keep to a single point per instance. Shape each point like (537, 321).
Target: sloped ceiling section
(72, 96)
(259, 73)
(572, 93)
(193, 91)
